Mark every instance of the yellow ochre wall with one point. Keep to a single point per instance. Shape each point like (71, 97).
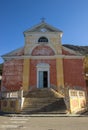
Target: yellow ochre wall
(26, 71)
(60, 76)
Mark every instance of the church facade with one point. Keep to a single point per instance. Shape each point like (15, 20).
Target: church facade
(42, 63)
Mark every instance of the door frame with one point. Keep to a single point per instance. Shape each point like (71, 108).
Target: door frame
(43, 67)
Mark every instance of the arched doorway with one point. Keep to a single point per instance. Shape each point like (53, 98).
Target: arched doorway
(43, 75)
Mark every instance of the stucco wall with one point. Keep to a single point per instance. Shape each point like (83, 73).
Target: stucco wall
(73, 72)
(12, 75)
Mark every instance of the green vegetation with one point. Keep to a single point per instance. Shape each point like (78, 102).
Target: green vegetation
(1, 68)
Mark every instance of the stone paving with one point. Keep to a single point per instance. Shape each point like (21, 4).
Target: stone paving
(43, 122)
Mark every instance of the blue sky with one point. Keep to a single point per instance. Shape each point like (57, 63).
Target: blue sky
(70, 16)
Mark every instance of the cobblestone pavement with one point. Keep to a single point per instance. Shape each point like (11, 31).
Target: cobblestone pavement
(43, 123)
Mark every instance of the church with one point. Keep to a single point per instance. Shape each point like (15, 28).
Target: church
(42, 64)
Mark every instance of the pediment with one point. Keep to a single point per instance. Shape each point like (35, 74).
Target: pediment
(43, 27)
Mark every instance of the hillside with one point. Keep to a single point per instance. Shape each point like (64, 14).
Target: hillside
(81, 49)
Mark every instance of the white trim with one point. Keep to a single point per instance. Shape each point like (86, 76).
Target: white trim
(43, 33)
(41, 25)
(44, 57)
(43, 67)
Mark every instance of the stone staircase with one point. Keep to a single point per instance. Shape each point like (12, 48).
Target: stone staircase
(43, 101)
(87, 102)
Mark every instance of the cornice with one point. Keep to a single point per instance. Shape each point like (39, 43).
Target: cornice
(43, 57)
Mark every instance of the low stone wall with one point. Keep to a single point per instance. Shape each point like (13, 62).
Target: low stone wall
(77, 100)
(12, 102)
(10, 105)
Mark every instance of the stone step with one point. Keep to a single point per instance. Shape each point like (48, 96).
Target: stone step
(51, 107)
(38, 102)
(39, 93)
(37, 105)
(43, 100)
(44, 112)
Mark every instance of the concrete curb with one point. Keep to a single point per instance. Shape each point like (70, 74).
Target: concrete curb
(44, 115)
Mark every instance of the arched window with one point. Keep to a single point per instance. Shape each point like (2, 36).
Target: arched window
(43, 39)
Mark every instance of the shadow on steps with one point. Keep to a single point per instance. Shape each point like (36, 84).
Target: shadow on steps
(57, 107)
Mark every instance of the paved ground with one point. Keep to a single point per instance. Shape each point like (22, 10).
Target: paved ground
(85, 113)
(44, 123)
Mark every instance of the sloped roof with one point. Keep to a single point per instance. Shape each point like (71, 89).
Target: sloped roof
(68, 51)
(18, 52)
(43, 27)
(78, 49)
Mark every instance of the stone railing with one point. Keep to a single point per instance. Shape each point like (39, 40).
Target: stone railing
(75, 98)
(12, 94)
(12, 101)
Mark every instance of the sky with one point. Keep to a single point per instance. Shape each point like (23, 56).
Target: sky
(16, 16)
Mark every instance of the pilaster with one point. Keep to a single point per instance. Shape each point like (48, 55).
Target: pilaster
(26, 72)
(60, 76)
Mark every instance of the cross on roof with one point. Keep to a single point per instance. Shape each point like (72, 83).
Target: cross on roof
(42, 19)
